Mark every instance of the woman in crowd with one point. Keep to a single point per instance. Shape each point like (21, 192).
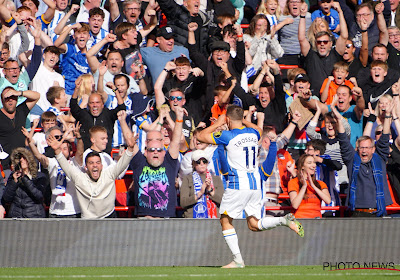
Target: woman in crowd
(201, 193)
(305, 192)
(263, 44)
(85, 89)
(288, 34)
(25, 187)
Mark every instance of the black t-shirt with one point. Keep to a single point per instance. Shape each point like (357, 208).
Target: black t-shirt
(155, 192)
(354, 67)
(319, 68)
(394, 57)
(11, 136)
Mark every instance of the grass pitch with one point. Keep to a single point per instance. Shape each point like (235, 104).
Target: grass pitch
(250, 272)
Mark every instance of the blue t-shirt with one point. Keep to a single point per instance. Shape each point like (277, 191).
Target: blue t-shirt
(155, 192)
(155, 59)
(356, 124)
(74, 63)
(332, 18)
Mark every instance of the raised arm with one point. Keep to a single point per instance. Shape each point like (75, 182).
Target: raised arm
(176, 134)
(380, 21)
(360, 102)
(93, 62)
(60, 26)
(49, 13)
(304, 44)
(114, 10)
(127, 133)
(344, 33)
(158, 86)
(44, 161)
(59, 42)
(370, 122)
(100, 82)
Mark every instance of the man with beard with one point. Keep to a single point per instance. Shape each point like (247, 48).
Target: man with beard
(95, 115)
(12, 118)
(368, 194)
(115, 64)
(95, 189)
(319, 63)
(155, 171)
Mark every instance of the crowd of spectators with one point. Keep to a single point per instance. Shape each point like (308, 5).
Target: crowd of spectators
(93, 89)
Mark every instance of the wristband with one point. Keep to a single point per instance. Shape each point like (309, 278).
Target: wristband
(395, 94)
(166, 70)
(78, 138)
(22, 93)
(388, 117)
(363, 31)
(22, 23)
(302, 16)
(372, 118)
(239, 35)
(159, 123)
(295, 123)
(395, 119)
(179, 121)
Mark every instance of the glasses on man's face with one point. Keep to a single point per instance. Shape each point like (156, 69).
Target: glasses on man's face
(397, 35)
(202, 160)
(58, 137)
(172, 98)
(362, 15)
(294, 2)
(378, 132)
(218, 51)
(348, 46)
(12, 69)
(152, 150)
(320, 42)
(364, 148)
(132, 9)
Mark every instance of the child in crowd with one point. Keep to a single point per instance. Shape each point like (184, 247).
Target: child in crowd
(329, 14)
(340, 72)
(58, 99)
(47, 119)
(272, 11)
(223, 96)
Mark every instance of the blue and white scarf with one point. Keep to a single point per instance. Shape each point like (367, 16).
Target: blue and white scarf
(200, 208)
(378, 179)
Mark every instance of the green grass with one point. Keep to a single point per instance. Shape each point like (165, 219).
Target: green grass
(250, 272)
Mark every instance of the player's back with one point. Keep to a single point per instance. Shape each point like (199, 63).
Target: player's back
(242, 157)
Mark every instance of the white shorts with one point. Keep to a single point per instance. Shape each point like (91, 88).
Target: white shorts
(235, 201)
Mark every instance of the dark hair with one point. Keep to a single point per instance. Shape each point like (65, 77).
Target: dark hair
(379, 45)
(52, 49)
(115, 51)
(120, 76)
(92, 154)
(122, 28)
(318, 145)
(323, 33)
(300, 163)
(96, 11)
(36, 2)
(6, 46)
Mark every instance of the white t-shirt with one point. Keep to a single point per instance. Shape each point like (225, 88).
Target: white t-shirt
(43, 80)
(64, 200)
(15, 44)
(39, 138)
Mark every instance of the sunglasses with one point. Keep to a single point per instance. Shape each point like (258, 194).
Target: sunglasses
(172, 98)
(202, 160)
(325, 42)
(152, 150)
(378, 132)
(349, 46)
(58, 137)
